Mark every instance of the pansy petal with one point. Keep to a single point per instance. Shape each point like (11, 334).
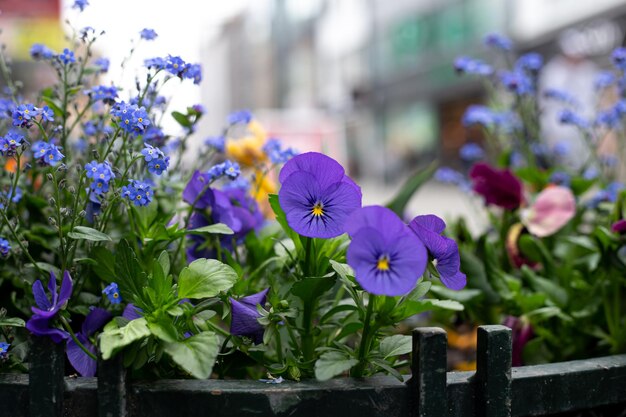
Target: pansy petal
(40, 326)
(80, 361)
(255, 299)
(430, 222)
(96, 319)
(66, 289)
(380, 218)
(325, 169)
(52, 288)
(244, 321)
(197, 191)
(131, 312)
(223, 213)
(41, 299)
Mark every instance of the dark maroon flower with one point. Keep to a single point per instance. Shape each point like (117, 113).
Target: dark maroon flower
(499, 187)
(522, 334)
(83, 364)
(619, 226)
(245, 314)
(48, 307)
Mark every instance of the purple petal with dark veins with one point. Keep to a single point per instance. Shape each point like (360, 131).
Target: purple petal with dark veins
(83, 364)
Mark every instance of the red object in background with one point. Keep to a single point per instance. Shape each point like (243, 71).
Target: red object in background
(16, 9)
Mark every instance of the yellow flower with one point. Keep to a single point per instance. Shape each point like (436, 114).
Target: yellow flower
(262, 187)
(248, 150)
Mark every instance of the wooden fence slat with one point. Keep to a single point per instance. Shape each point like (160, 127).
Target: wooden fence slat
(493, 371)
(111, 388)
(46, 384)
(428, 383)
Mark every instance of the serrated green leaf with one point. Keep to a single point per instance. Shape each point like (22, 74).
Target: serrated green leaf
(331, 364)
(395, 345)
(195, 354)
(114, 338)
(205, 278)
(87, 233)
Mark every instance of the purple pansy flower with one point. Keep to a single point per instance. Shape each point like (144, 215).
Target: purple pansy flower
(198, 192)
(244, 316)
(83, 364)
(316, 195)
(131, 312)
(498, 187)
(428, 229)
(47, 308)
(387, 258)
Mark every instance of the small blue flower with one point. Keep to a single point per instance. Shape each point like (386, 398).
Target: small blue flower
(175, 65)
(24, 114)
(158, 165)
(560, 95)
(80, 4)
(39, 51)
(138, 192)
(530, 62)
(5, 247)
(619, 58)
(10, 143)
(449, 176)
(471, 152)
(517, 82)
(272, 149)
(560, 178)
(466, 65)
(157, 63)
(102, 92)
(67, 57)
(609, 118)
(497, 41)
(131, 118)
(4, 348)
(102, 64)
(149, 153)
(231, 169)
(100, 174)
(112, 292)
(240, 116)
(216, 142)
(148, 34)
(568, 117)
(99, 186)
(47, 114)
(193, 72)
(604, 79)
(478, 115)
(46, 153)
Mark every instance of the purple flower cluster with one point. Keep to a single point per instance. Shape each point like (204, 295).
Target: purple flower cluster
(39, 51)
(138, 192)
(156, 160)
(316, 195)
(467, 65)
(497, 41)
(48, 307)
(131, 118)
(67, 57)
(100, 174)
(107, 94)
(25, 115)
(46, 153)
(272, 149)
(176, 66)
(11, 142)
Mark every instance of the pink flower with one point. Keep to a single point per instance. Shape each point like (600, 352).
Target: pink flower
(553, 208)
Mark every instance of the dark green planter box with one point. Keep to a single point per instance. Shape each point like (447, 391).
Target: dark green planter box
(494, 390)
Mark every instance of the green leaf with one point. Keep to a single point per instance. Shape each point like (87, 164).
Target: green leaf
(477, 275)
(164, 261)
(205, 278)
(446, 304)
(53, 105)
(462, 296)
(195, 354)
(12, 322)
(543, 285)
(218, 228)
(130, 277)
(311, 288)
(396, 345)
(331, 364)
(419, 291)
(281, 218)
(105, 261)
(164, 329)
(87, 233)
(113, 339)
(181, 119)
(399, 202)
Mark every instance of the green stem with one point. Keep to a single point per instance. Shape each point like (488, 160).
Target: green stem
(19, 242)
(307, 335)
(365, 339)
(67, 327)
(279, 346)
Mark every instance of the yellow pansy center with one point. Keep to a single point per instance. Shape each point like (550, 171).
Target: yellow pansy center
(318, 210)
(383, 263)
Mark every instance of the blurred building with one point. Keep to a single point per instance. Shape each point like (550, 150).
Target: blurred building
(383, 69)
